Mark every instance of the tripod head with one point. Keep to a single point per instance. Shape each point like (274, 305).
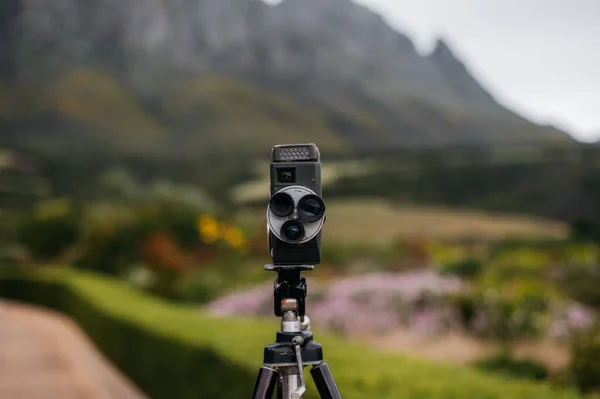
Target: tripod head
(289, 285)
(289, 303)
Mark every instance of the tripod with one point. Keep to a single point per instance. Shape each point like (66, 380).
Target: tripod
(294, 348)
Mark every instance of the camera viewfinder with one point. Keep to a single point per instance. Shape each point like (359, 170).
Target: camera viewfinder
(286, 175)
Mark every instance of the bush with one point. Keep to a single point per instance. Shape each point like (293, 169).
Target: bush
(110, 252)
(117, 238)
(497, 316)
(466, 304)
(581, 283)
(467, 268)
(505, 363)
(176, 351)
(584, 369)
(180, 223)
(200, 286)
(48, 238)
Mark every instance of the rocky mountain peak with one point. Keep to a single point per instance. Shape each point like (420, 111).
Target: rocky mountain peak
(441, 49)
(462, 82)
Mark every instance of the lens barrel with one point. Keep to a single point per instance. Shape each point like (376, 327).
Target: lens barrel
(292, 231)
(311, 208)
(281, 204)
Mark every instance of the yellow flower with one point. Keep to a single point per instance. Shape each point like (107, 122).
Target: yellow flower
(53, 208)
(234, 237)
(209, 228)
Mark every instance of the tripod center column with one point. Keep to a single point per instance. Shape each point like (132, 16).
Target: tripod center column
(290, 322)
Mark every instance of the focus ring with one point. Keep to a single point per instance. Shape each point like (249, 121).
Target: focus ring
(311, 208)
(281, 204)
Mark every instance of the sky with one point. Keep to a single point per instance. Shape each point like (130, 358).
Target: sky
(540, 58)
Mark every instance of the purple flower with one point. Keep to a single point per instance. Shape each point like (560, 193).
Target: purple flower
(256, 302)
(567, 319)
(580, 317)
(371, 303)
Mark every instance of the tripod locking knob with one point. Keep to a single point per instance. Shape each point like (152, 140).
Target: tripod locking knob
(304, 323)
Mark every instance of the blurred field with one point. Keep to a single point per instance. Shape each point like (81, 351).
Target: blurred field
(460, 348)
(331, 172)
(381, 222)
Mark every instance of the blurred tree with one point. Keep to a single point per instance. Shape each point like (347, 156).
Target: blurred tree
(505, 363)
(161, 253)
(584, 369)
(51, 230)
(581, 282)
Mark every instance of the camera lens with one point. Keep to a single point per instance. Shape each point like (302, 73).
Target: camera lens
(281, 204)
(292, 231)
(311, 208)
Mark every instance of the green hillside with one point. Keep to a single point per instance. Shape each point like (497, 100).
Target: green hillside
(223, 113)
(89, 108)
(201, 114)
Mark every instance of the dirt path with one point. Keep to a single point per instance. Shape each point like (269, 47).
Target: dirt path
(44, 355)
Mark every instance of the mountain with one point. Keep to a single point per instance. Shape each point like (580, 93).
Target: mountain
(191, 75)
(9, 12)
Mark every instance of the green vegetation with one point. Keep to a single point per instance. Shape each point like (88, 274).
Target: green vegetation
(50, 231)
(232, 115)
(466, 268)
(178, 351)
(192, 230)
(584, 370)
(190, 117)
(496, 181)
(582, 281)
(505, 363)
(98, 101)
(543, 182)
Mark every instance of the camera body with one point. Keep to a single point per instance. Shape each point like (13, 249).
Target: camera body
(296, 212)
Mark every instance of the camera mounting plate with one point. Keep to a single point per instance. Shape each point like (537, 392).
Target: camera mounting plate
(277, 268)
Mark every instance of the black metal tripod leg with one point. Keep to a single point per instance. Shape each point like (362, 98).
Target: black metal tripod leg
(265, 383)
(324, 382)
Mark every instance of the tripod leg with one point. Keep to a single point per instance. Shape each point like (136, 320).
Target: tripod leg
(324, 382)
(265, 383)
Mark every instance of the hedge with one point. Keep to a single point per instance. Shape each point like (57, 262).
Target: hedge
(177, 351)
